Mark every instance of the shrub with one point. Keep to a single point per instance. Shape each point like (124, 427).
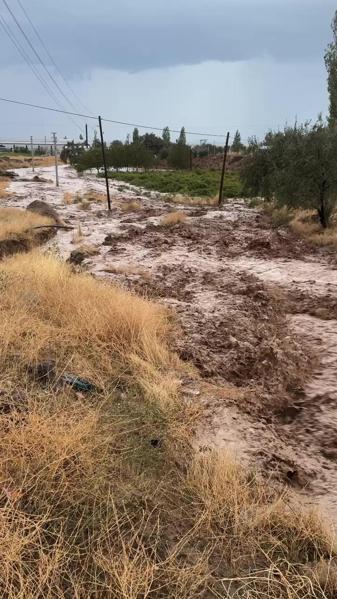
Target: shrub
(296, 167)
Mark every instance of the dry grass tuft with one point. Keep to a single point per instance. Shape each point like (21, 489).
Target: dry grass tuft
(119, 328)
(15, 222)
(101, 494)
(128, 269)
(173, 218)
(132, 206)
(85, 205)
(78, 235)
(305, 224)
(193, 200)
(68, 198)
(4, 181)
(94, 196)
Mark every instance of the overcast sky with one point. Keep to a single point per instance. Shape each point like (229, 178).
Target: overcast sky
(210, 65)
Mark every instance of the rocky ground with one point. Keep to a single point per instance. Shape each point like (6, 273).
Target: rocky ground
(255, 311)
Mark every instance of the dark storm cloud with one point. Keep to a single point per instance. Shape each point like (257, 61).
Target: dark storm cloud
(135, 35)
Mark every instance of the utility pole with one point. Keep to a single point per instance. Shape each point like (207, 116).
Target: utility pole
(223, 170)
(45, 144)
(32, 152)
(104, 163)
(86, 135)
(56, 162)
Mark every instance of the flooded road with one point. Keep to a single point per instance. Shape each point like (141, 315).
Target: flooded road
(243, 297)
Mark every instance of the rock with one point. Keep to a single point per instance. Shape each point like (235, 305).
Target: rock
(38, 179)
(110, 239)
(262, 243)
(81, 253)
(7, 174)
(40, 207)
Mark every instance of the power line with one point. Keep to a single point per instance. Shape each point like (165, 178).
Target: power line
(30, 64)
(37, 54)
(39, 59)
(26, 58)
(88, 116)
(50, 56)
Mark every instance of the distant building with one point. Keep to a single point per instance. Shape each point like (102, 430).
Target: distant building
(3, 148)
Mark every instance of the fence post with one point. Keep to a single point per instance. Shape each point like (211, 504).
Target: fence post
(104, 163)
(32, 151)
(56, 160)
(223, 170)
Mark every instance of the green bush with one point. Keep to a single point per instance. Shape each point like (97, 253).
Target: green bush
(192, 183)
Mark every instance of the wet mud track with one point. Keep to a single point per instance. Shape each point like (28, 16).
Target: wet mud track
(255, 311)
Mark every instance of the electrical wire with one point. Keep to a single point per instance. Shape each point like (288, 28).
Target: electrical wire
(88, 116)
(26, 58)
(52, 78)
(40, 61)
(78, 99)
(28, 61)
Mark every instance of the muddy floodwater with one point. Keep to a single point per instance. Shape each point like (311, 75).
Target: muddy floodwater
(256, 310)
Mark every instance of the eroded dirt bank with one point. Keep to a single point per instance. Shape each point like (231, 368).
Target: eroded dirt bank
(256, 311)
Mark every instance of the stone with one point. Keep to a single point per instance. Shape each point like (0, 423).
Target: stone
(81, 253)
(40, 207)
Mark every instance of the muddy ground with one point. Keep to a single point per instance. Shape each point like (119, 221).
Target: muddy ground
(255, 311)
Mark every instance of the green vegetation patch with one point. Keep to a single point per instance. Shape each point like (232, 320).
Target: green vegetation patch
(192, 183)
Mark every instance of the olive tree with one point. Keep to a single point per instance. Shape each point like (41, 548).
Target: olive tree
(296, 167)
(331, 65)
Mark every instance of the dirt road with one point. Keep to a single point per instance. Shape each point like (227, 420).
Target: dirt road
(256, 311)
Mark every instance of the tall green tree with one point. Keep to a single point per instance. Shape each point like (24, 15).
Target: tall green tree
(237, 145)
(135, 136)
(179, 156)
(166, 135)
(182, 137)
(331, 65)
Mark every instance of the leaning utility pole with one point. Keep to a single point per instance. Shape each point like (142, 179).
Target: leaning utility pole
(104, 163)
(56, 162)
(223, 170)
(32, 152)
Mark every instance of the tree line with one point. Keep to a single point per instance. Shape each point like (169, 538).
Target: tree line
(143, 151)
(297, 167)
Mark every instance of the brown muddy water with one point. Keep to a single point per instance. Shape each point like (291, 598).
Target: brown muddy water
(219, 274)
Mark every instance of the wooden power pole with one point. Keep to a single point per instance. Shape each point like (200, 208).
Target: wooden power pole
(223, 170)
(32, 152)
(104, 163)
(56, 161)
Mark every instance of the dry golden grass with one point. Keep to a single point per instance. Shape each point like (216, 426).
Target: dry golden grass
(173, 218)
(101, 494)
(23, 161)
(304, 225)
(68, 198)
(4, 182)
(66, 307)
(193, 200)
(128, 269)
(84, 205)
(95, 196)
(303, 222)
(15, 222)
(132, 206)
(77, 235)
